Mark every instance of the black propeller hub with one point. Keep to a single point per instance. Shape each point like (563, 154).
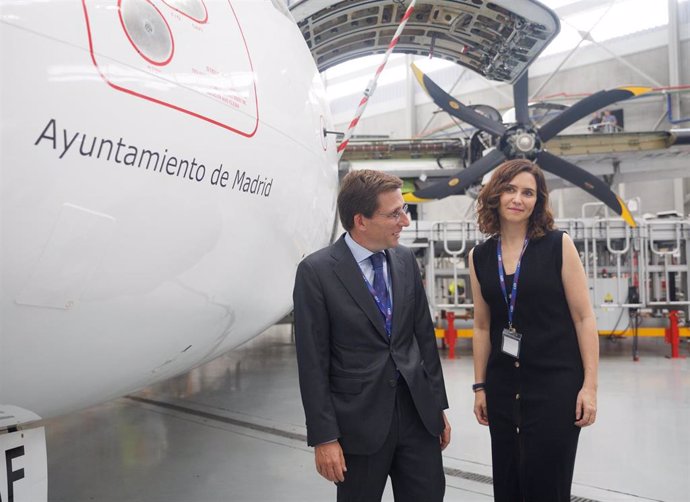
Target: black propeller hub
(521, 142)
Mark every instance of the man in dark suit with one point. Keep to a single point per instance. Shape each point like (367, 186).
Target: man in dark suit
(369, 369)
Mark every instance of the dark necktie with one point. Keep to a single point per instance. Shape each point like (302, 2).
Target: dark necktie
(380, 290)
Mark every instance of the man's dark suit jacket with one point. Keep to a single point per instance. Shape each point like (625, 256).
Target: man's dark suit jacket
(347, 362)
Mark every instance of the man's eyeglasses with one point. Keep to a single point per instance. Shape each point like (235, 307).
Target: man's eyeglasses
(397, 214)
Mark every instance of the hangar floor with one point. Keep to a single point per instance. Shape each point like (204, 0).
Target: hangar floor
(233, 430)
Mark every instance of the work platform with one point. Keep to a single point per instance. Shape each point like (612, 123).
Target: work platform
(638, 277)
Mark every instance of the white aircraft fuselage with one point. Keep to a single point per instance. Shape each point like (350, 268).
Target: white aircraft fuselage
(164, 170)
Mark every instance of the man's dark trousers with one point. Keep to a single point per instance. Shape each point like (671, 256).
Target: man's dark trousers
(410, 455)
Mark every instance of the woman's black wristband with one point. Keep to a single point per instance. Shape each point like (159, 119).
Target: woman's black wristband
(478, 386)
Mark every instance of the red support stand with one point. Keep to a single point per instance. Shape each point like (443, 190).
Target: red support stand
(451, 334)
(673, 335)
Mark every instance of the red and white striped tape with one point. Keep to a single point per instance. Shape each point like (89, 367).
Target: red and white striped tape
(371, 86)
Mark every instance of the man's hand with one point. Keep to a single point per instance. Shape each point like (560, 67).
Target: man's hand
(445, 434)
(330, 462)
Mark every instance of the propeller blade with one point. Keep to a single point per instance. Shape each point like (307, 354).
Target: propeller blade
(520, 99)
(451, 105)
(586, 106)
(587, 181)
(456, 184)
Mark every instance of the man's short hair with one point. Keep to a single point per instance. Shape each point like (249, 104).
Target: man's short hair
(359, 194)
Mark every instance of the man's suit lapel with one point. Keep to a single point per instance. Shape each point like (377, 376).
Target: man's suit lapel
(396, 269)
(349, 273)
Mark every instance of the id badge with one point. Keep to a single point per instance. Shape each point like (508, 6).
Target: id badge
(511, 343)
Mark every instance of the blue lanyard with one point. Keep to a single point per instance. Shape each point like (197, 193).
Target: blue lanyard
(385, 309)
(502, 280)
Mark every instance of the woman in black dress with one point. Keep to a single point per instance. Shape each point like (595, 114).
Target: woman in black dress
(535, 368)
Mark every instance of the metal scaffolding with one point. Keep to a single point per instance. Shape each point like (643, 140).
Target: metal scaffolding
(637, 276)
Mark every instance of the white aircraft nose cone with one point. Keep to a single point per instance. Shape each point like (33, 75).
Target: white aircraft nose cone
(147, 30)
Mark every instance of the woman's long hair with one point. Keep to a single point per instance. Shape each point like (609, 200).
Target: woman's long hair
(541, 219)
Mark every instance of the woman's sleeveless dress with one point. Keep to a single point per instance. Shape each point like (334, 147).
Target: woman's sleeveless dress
(531, 400)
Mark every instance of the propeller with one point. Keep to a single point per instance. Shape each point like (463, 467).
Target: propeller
(522, 140)
(457, 183)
